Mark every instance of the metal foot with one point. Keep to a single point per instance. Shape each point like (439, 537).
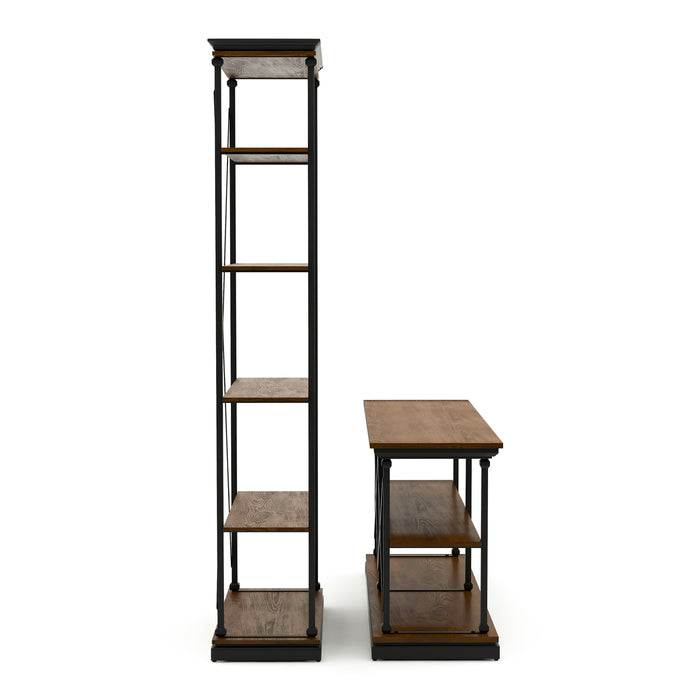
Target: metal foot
(483, 628)
(311, 632)
(318, 586)
(386, 628)
(455, 551)
(468, 586)
(379, 586)
(234, 586)
(220, 632)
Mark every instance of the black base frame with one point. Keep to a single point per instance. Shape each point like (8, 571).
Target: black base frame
(257, 652)
(435, 652)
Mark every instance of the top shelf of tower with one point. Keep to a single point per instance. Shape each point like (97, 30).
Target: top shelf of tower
(267, 58)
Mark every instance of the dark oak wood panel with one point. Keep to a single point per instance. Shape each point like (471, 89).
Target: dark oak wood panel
(269, 511)
(266, 267)
(447, 614)
(266, 156)
(429, 514)
(266, 45)
(268, 390)
(427, 425)
(267, 58)
(269, 617)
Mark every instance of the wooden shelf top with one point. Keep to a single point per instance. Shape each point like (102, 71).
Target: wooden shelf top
(266, 267)
(268, 390)
(267, 58)
(269, 617)
(267, 156)
(427, 425)
(269, 511)
(429, 514)
(447, 613)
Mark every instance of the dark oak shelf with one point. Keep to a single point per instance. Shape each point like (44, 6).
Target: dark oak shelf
(428, 616)
(268, 390)
(427, 425)
(267, 156)
(267, 58)
(429, 514)
(269, 617)
(269, 511)
(266, 267)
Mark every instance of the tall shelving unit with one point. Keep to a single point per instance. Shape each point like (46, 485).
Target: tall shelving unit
(263, 624)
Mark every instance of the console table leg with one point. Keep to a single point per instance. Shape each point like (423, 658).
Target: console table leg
(468, 505)
(484, 464)
(376, 506)
(385, 528)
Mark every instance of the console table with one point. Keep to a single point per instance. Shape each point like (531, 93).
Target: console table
(429, 606)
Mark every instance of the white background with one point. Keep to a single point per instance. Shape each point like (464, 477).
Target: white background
(508, 213)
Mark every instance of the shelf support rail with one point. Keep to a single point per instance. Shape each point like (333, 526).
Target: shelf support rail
(313, 343)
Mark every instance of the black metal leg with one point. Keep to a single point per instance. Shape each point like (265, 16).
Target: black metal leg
(484, 464)
(455, 481)
(386, 533)
(376, 505)
(234, 585)
(378, 515)
(217, 62)
(313, 347)
(468, 505)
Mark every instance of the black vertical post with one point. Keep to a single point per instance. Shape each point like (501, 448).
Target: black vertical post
(386, 553)
(235, 585)
(217, 62)
(468, 505)
(313, 347)
(376, 506)
(455, 481)
(484, 464)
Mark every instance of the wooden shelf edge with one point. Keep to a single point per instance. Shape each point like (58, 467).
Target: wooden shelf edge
(269, 511)
(429, 513)
(268, 390)
(251, 613)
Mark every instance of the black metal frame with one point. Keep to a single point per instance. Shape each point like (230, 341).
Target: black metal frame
(266, 652)
(383, 463)
(256, 651)
(435, 652)
(313, 345)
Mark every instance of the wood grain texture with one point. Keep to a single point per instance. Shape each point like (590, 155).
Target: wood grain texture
(265, 156)
(268, 390)
(267, 67)
(448, 613)
(429, 514)
(427, 425)
(269, 617)
(266, 267)
(269, 511)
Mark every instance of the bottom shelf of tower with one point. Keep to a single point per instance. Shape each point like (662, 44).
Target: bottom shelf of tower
(268, 625)
(432, 617)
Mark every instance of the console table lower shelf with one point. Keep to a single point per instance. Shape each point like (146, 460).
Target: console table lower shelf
(268, 625)
(432, 616)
